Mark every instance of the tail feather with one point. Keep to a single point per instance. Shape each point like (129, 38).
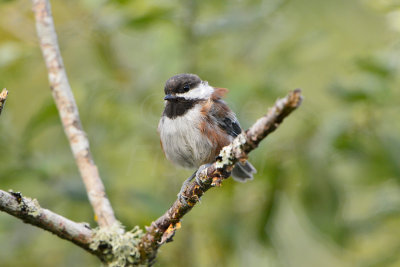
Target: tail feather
(243, 171)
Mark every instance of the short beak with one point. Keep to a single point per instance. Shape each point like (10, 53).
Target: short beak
(169, 97)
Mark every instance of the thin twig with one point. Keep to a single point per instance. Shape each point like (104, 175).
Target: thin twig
(29, 211)
(3, 98)
(69, 115)
(163, 229)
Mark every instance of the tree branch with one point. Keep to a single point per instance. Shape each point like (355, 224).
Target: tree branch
(163, 229)
(69, 115)
(118, 248)
(29, 211)
(3, 98)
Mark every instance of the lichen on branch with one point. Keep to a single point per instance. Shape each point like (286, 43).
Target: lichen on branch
(118, 248)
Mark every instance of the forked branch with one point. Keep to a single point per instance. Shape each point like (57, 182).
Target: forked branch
(163, 229)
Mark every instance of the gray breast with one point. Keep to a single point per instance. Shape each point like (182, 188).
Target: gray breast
(182, 140)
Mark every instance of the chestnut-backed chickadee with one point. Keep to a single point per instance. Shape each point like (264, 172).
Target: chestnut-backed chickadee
(196, 124)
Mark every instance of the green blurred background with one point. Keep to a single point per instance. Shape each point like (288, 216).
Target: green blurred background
(327, 192)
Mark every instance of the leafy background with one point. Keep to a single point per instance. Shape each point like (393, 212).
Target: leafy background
(327, 192)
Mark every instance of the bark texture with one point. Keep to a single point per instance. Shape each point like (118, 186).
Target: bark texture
(29, 211)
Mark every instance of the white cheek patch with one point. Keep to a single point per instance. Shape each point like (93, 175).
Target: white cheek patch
(202, 91)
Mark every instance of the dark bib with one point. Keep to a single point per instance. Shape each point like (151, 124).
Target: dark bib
(175, 109)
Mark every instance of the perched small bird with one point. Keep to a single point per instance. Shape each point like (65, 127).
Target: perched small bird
(196, 124)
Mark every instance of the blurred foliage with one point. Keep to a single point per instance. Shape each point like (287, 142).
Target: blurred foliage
(328, 188)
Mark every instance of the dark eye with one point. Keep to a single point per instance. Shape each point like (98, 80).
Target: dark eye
(186, 87)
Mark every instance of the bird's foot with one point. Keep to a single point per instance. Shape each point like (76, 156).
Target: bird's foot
(199, 173)
(182, 198)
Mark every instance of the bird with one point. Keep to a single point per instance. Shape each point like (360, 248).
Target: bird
(196, 124)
